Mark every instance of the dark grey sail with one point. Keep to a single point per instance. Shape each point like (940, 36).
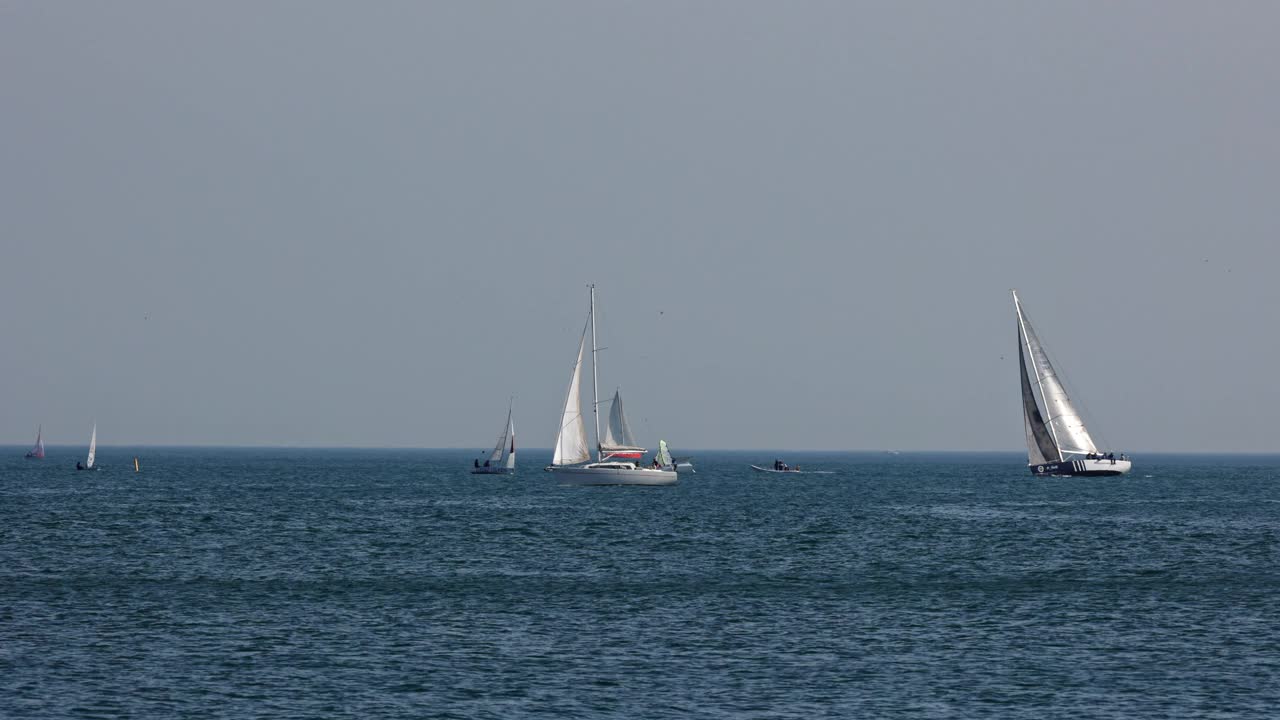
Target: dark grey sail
(1040, 446)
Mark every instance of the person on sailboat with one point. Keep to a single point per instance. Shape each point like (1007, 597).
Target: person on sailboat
(79, 465)
(476, 462)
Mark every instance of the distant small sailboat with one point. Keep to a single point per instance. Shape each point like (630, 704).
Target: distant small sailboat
(37, 452)
(502, 461)
(93, 448)
(1057, 441)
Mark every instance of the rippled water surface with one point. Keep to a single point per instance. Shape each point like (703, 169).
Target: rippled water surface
(393, 584)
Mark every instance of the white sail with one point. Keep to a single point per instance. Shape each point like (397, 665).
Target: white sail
(93, 446)
(617, 434)
(571, 439)
(664, 456)
(511, 443)
(1053, 411)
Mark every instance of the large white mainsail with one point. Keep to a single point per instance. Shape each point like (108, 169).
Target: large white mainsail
(1054, 427)
(93, 446)
(571, 440)
(618, 440)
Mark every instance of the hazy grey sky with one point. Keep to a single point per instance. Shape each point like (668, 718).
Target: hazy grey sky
(369, 223)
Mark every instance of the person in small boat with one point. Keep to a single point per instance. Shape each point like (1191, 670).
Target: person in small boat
(79, 465)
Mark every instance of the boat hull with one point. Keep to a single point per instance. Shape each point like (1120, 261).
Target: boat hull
(757, 468)
(493, 471)
(1082, 468)
(614, 476)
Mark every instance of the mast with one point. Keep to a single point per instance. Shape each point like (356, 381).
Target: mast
(1022, 328)
(595, 375)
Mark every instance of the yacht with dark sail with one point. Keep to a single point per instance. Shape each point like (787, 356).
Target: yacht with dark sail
(1057, 441)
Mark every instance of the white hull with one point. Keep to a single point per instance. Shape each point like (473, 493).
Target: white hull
(793, 471)
(1083, 467)
(587, 475)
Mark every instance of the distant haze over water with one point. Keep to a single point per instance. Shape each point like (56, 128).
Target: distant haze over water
(359, 227)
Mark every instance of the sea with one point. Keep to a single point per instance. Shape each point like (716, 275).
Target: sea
(304, 583)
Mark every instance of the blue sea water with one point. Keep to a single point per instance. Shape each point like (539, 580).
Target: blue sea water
(236, 583)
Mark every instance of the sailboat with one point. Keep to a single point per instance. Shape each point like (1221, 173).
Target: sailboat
(37, 452)
(616, 449)
(665, 460)
(502, 461)
(93, 447)
(1057, 441)
(618, 441)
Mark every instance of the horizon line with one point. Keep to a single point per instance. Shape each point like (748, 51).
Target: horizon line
(891, 451)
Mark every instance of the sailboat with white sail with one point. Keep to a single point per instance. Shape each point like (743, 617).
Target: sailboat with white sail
(93, 449)
(664, 459)
(617, 453)
(502, 461)
(618, 442)
(37, 452)
(1057, 441)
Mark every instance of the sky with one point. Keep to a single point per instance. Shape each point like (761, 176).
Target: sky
(371, 224)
